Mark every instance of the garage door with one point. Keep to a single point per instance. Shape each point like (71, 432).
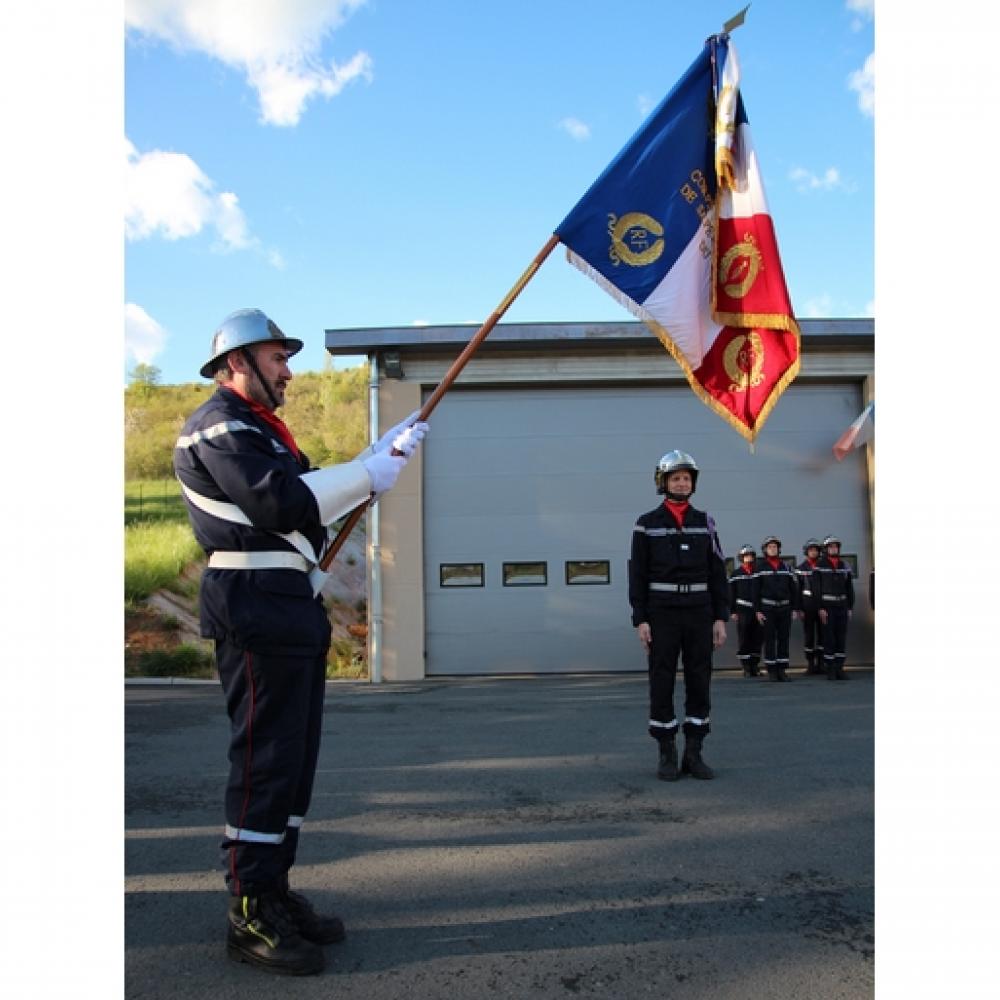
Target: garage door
(530, 496)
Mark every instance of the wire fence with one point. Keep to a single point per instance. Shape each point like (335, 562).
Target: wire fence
(153, 500)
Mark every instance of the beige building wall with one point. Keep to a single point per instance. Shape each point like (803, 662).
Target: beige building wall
(401, 550)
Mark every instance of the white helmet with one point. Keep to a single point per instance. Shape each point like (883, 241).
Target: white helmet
(674, 461)
(240, 329)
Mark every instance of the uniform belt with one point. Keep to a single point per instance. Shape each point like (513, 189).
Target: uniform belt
(680, 588)
(258, 560)
(746, 604)
(776, 604)
(834, 597)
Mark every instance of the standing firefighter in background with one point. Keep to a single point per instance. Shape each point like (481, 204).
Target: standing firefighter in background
(812, 629)
(259, 511)
(833, 589)
(743, 585)
(680, 603)
(777, 601)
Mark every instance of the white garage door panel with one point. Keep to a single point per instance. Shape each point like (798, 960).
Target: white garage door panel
(550, 475)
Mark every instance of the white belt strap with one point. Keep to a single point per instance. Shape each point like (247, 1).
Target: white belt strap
(680, 588)
(226, 511)
(258, 560)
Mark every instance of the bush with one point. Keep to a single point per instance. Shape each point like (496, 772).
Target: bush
(346, 660)
(182, 661)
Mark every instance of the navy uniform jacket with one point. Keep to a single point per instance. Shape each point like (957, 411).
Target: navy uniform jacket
(832, 588)
(778, 587)
(806, 598)
(235, 464)
(676, 557)
(743, 588)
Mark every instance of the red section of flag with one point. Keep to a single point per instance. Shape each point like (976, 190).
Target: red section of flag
(744, 368)
(749, 278)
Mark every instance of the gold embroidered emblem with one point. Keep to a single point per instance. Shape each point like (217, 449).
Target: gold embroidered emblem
(739, 267)
(636, 239)
(743, 360)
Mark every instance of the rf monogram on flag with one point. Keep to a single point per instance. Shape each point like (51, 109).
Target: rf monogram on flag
(631, 239)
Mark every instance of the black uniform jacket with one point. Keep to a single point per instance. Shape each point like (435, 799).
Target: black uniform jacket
(832, 588)
(806, 598)
(663, 553)
(225, 453)
(778, 587)
(743, 588)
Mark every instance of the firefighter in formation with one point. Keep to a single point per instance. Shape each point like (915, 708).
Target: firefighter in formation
(743, 610)
(777, 599)
(832, 587)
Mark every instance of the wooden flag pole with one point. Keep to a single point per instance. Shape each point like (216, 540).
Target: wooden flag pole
(453, 372)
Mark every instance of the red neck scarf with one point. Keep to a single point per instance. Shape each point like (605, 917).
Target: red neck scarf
(678, 509)
(812, 562)
(271, 419)
(834, 561)
(747, 567)
(775, 562)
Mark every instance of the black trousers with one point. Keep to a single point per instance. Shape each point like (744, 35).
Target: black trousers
(835, 636)
(812, 636)
(750, 637)
(684, 633)
(777, 626)
(275, 706)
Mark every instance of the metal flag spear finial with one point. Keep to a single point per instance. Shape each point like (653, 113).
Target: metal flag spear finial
(735, 21)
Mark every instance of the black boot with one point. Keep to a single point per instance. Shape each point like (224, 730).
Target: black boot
(831, 670)
(754, 667)
(782, 676)
(667, 768)
(691, 763)
(840, 673)
(772, 672)
(261, 932)
(311, 925)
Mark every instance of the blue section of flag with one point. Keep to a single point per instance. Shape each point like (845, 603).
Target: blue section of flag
(671, 156)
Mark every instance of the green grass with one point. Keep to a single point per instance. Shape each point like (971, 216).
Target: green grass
(155, 554)
(154, 500)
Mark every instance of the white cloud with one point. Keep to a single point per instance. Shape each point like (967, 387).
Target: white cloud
(575, 128)
(144, 337)
(866, 10)
(820, 307)
(863, 81)
(167, 194)
(870, 308)
(274, 43)
(805, 180)
(646, 104)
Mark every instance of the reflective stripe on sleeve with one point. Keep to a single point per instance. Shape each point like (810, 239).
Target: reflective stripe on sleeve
(216, 430)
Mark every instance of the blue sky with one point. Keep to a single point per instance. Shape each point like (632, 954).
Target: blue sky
(362, 163)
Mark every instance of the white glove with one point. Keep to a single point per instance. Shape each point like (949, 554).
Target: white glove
(383, 470)
(409, 439)
(384, 443)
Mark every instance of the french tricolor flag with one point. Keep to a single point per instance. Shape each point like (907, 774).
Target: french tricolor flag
(860, 432)
(678, 230)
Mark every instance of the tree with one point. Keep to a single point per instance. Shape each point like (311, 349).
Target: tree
(144, 378)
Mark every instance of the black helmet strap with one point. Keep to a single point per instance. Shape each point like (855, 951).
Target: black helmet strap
(252, 362)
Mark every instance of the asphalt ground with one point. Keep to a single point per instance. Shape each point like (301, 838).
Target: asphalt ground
(508, 838)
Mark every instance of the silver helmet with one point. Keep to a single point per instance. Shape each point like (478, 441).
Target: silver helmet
(240, 329)
(744, 551)
(767, 541)
(674, 461)
(831, 540)
(812, 543)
